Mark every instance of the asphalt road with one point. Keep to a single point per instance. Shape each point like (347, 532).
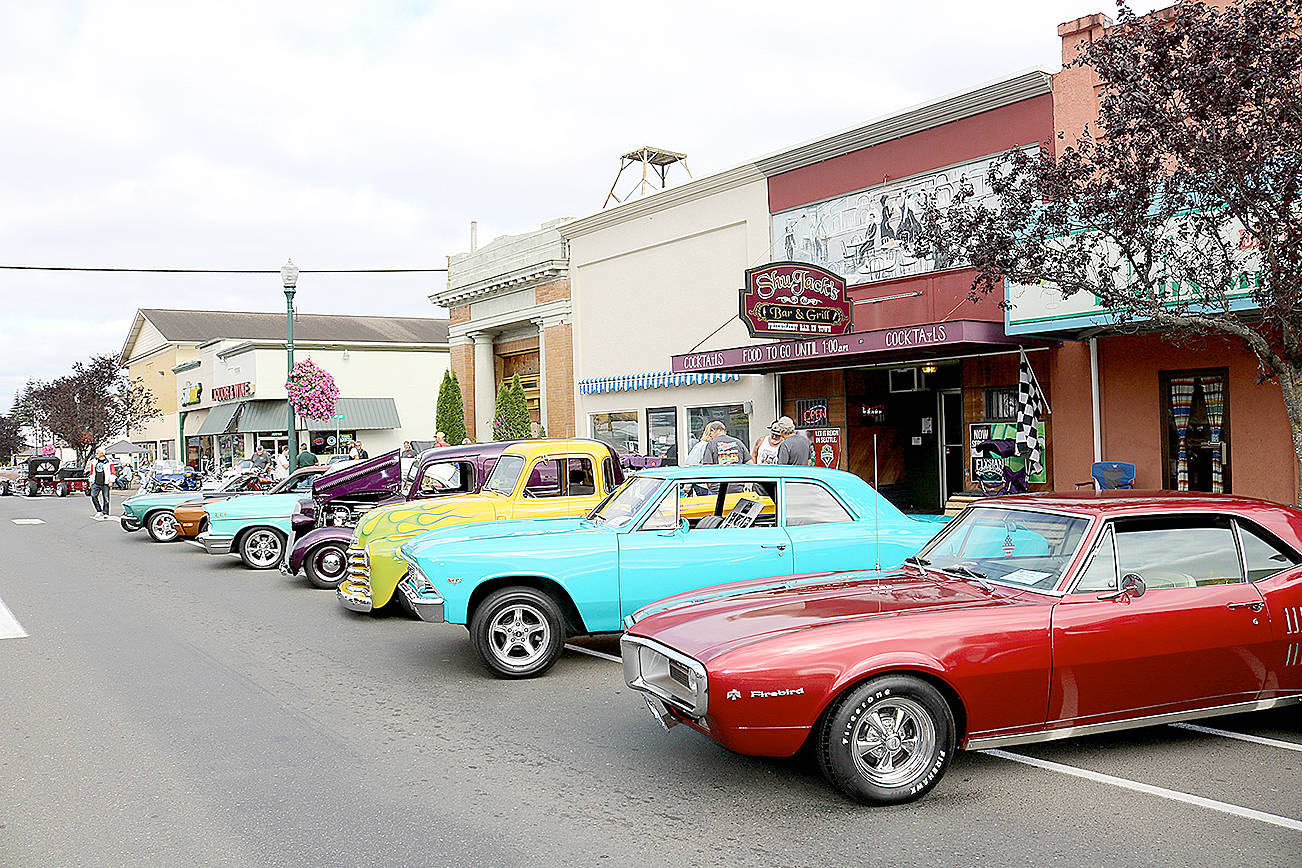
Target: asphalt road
(167, 707)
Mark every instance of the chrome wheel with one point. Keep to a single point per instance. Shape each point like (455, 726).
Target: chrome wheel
(519, 635)
(162, 527)
(894, 742)
(325, 566)
(261, 549)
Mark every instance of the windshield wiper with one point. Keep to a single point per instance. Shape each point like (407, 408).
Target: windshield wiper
(920, 563)
(979, 578)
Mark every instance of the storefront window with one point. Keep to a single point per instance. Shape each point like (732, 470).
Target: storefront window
(230, 449)
(165, 450)
(617, 429)
(1001, 404)
(733, 416)
(1196, 415)
(331, 442)
(662, 434)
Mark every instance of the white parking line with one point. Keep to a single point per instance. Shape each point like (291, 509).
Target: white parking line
(603, 655)
(1241, 736)
(1163, 792)
(9, 626)
(28, 520)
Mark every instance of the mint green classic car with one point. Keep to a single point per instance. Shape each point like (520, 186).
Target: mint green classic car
(257, 526)
(153, 511)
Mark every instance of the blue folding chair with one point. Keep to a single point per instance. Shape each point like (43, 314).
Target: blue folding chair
(1111, 474)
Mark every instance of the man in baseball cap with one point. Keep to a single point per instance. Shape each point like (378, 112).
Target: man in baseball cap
(794, 449)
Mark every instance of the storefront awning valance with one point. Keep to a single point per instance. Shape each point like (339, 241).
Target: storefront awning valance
(219, 421)
(925, 340)
(652, 380)
(359, 414)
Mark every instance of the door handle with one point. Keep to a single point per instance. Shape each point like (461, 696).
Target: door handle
(1255, 606)
(781, 547)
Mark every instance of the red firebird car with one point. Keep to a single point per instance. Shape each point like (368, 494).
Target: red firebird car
(1026, 619)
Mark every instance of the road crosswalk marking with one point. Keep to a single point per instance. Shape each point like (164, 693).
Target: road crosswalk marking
(9, 626)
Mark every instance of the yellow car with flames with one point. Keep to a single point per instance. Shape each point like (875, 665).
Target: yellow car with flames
(532, 479)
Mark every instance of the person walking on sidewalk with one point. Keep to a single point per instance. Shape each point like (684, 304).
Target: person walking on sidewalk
(101, 483)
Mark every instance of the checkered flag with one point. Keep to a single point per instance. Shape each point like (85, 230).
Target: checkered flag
(1031, 405)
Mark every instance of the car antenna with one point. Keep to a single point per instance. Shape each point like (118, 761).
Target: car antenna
(877, 537)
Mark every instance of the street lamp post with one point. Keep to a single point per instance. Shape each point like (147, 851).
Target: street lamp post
(289, 279)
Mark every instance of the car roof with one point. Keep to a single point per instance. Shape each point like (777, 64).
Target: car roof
(466, 450)
(530, 448)
(1124, 502)
(751, 471)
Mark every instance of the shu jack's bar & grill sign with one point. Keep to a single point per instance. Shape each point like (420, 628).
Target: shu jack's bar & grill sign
(787, 299)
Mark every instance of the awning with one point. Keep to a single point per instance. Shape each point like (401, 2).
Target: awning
(193, 421)
(124, 447)
(926, 340)
(359, 414)
(652, 380)
(220, 420)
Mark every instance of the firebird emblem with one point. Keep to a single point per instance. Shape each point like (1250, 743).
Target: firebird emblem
(734, 694)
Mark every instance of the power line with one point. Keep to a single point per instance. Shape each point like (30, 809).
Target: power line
(222, 270)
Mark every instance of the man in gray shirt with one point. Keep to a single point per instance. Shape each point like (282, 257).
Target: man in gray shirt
(794, 448)
(723, 448)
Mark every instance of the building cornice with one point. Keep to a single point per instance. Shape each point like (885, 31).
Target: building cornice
(947, 109)
(552, 312)
(664, 200)
(187, 366)
(535, 274)
(358, 346)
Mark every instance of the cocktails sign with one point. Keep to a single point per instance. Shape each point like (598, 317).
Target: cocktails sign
(786, 299)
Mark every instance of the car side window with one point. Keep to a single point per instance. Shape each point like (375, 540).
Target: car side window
(811, 503)
(608, 473)
(1265, 556)
(444, 477)
(666, 514)
(1179, 553)
(1101, 572)
(304, 483)
(562, 477)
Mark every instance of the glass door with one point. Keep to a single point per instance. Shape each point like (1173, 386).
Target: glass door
(662, 434)
(950, 443)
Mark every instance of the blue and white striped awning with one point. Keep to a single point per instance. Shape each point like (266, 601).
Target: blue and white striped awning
(652, 380)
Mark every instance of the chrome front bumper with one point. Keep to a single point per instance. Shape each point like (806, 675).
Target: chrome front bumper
(130, 523)
(422, 598)
(355, 591)
(216, 545)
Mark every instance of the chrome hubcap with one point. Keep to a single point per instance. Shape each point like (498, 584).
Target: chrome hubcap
(164, 525)
(263, 548)
(330, 563)
(894, 742)
(519, 635)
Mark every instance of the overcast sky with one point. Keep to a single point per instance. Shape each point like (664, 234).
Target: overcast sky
(369, 134)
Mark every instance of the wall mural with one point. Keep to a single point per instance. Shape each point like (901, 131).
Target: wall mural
(864, 235)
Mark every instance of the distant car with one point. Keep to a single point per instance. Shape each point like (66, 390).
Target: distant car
(1028, 618)
(155, 511)
(12, 478)
(48, 475)
(523, 587)
(339, 500)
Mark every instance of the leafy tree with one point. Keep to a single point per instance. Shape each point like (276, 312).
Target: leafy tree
(24, 409)
(11, 438)
(450, 412)
(511, 419)
(1186, 198)
(92, 404)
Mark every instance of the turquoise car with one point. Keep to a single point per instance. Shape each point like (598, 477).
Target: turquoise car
(257, 526)
(153, 512)
(522, 587)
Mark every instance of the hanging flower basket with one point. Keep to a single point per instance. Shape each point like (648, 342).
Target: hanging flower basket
(312, 391)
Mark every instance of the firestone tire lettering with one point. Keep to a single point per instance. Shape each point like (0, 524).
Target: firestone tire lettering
(835, 745)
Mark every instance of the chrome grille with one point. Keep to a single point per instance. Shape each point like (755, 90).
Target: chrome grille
(359, 566)
(666, 674)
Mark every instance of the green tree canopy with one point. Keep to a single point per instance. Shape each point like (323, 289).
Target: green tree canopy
(450, 411)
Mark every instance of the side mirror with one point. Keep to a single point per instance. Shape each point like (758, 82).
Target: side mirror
(683, 527)
(1132, 586)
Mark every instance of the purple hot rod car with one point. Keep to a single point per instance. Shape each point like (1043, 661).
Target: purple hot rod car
(324, 524)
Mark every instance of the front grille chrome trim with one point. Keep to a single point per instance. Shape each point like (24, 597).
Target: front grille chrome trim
(643, 661)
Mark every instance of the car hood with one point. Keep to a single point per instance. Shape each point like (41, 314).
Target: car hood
(708, 622)
(383, 473)
(435, 543)
(253, 506)
(171, 498)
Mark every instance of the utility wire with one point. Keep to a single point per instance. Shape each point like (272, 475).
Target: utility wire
(223, 270)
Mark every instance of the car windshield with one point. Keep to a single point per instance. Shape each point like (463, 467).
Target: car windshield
(1010, 546)
(619, 509)
(505, 475)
